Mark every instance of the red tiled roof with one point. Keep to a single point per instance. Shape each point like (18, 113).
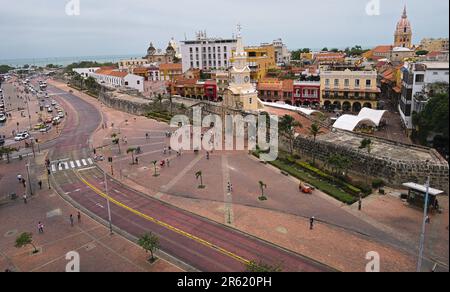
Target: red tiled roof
(163, 67)
(382, 49)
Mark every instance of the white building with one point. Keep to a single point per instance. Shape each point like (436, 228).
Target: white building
(282, 54)
(116, 79)
(86, 72)
(207, 53)
(416, 77)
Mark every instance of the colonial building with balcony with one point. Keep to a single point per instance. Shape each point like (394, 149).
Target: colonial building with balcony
(273, 90)
(260, 59)
(306, 93)
(349, 90)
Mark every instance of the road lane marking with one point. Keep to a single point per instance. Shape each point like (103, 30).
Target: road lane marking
(84, 162)
(90, 161)
(78, 163)
(66, 165)
(53, 168)
(72, 164)
(165, 225)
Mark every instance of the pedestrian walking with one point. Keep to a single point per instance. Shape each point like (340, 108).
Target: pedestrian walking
(19, 177)
(25, 199)
(311, 223)
(137, 161)
(165, 150)
(24, 183)
(40, 227)
(360, 204)
(71, 220)
(40, 184)
(207, 155)
(146, 136)
(79, 217)
(168, 163)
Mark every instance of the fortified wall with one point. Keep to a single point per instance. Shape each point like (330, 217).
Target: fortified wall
(395, 163)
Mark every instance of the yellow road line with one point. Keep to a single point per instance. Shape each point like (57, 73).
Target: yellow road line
(174, 229)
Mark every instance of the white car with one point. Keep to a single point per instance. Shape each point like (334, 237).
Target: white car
(61, 115)
(49, 109)
(21, 136)
(54, 103)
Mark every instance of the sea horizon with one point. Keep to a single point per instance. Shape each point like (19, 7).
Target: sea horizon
(64, 61)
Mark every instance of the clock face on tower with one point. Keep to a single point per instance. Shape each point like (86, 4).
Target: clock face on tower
(247, 79)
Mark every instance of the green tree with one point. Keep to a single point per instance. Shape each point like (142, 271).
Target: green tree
(314, 130)
(255, 267)
(132, 150)
(116, 141)
(7, 151)
(199, 175)
(25, 239)
(150, 243)
(325, 49)
(434, 119)
(262, 187)
(155, 174)
(422, 52)
(287, 126)
(5, 69)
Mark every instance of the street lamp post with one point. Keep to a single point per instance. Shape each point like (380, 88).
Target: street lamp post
(424, 226)
(108, 205)
(29, 179)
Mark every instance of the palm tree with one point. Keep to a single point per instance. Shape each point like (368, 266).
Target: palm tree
(262, 186)
(7, 151)
(116, 140)
(287, 129)
(25, 239)
(132, 151)
(314, 130)
(154, 162)
(150, 243)
(199, 175)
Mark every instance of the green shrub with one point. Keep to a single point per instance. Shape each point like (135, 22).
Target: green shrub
(378, 183)
(365, 188)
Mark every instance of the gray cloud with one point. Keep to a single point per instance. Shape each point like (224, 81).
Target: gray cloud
(42, 29)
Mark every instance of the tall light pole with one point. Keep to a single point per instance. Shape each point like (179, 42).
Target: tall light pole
(29, 179)
(424, 227)
(108, 205)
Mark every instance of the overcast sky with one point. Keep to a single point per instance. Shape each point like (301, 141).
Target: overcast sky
(33, 29)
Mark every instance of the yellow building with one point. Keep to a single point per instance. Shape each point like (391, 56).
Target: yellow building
(260, 59)
(349, 90)
(170, 72)
(434, 45)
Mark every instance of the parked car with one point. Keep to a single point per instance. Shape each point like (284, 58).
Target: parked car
(50, 109)
(54, 103)
(61, 115)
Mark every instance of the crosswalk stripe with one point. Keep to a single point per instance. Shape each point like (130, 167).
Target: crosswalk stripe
(72, 164)
(60, 167)
(84, 162)
(53, 168)
(66, 165)
(90, 161)
(78, 163)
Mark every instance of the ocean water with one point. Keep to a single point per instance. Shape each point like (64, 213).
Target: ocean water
(64, 61)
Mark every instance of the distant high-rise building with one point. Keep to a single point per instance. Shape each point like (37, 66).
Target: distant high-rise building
(403, 32)
(207, 53)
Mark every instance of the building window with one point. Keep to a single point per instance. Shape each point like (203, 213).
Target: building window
(420, 78)
(327, 82)
(368, 83)
(357, 82)
(336, 82)
(347, 83)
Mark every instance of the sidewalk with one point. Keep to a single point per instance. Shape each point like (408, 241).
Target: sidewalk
(99, 252)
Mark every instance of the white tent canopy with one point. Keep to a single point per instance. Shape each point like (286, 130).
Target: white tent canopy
(291, 108)
(349, 122)
(366, 116)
